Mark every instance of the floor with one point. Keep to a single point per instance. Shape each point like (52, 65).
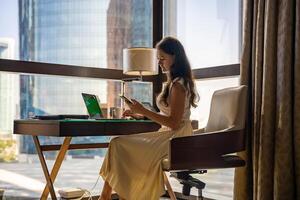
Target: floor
(25, 180)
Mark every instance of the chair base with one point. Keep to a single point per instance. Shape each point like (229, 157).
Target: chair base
(188, 181)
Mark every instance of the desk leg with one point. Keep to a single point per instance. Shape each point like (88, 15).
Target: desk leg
(44, 166)
(58, 161)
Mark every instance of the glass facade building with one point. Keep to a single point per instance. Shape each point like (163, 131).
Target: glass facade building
(83, 33)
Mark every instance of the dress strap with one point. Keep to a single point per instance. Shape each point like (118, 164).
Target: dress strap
(178, 80)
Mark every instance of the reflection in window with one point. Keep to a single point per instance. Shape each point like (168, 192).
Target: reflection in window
(209, 30)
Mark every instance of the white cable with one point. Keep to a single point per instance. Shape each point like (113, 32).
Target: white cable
(89, 192)
(85, 192)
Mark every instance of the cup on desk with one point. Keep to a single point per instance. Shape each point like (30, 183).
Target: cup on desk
(104, 109)
(104, 113)
(115, 112)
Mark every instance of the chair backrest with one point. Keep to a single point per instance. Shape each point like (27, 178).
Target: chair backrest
(228, 109)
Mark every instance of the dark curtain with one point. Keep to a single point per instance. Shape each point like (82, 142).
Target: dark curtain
(270, 66)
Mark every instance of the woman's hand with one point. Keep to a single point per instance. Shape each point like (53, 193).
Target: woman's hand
(129, 113)
(136, 107)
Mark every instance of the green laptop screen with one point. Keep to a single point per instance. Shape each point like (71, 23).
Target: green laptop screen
(92, 105)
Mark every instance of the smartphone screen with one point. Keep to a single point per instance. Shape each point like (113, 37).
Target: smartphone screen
(127, 100)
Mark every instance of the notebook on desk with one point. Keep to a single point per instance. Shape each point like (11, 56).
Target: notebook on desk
(92, 104)
(60, 117)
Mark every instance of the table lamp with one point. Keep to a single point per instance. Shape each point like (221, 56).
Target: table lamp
(138, 61)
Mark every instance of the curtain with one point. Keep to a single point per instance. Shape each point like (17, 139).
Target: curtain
(270, 66)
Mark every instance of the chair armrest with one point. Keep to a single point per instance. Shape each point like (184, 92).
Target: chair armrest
(204, 148)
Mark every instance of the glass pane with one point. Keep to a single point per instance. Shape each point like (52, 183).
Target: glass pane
(9, 102)
(88, 33)
(209, 30)
(24, 96)
(206, 89)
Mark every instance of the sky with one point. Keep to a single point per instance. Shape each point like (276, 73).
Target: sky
(208, 29)
(9, 21)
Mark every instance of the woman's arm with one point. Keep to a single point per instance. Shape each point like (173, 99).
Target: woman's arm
(177, 102)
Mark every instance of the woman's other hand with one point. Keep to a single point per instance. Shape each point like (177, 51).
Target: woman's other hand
(129, 113)
(136, 107)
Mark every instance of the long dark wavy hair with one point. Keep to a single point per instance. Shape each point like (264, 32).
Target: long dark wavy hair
(181, 68)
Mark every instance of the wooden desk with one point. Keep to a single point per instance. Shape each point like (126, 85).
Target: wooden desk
(76, 128)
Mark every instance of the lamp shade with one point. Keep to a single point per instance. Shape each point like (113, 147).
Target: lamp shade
(140, 61)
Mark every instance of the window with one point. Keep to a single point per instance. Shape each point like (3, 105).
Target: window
(86, 33)
(209, 30)
(211, 34)
(39, 96)
(82, 33)
(206, 89)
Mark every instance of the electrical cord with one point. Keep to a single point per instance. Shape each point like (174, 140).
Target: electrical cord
(89, 192)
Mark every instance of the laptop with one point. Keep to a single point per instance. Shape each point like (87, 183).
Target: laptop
(92, 104)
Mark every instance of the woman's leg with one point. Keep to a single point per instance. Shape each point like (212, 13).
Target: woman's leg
(106, 192)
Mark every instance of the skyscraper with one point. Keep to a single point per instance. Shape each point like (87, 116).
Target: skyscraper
(64, 32)
(9, 96)
(129, 24)
(86, 33)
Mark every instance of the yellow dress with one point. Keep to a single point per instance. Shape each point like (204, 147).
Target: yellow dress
(132, 165)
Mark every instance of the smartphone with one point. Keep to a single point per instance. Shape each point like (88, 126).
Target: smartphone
(126, 99)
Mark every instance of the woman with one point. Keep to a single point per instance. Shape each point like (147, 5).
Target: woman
(132, 166)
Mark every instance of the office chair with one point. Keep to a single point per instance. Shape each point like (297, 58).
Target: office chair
(212, 146)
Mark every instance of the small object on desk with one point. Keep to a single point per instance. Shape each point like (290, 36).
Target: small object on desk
(115, 113)
(60, 117)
